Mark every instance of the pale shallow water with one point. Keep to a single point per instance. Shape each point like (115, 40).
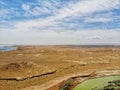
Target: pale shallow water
(7, 48)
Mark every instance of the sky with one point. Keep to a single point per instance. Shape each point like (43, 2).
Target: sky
(60, 22)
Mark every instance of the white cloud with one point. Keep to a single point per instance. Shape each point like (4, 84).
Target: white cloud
(2, 3)
(48, 30)
(88, 7)
(80, 8)
(26, 7)
(50, 37)
(96, 37)
(98, 19)
(8, 13)
(3, 12)
(40, 8)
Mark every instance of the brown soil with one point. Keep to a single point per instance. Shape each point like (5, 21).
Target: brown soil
(63, 61)
(18, 66)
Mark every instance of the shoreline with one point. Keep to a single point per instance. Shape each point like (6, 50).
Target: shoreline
(58, 81)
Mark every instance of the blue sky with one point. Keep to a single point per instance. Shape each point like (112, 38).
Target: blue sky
(49, 22)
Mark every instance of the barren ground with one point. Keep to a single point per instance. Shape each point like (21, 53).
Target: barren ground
(46, 66)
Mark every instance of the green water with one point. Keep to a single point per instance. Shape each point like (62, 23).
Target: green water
(96, 83)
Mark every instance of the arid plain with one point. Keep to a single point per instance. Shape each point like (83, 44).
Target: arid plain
(46, 66)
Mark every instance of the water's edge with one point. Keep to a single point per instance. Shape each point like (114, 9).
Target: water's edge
(7, 48)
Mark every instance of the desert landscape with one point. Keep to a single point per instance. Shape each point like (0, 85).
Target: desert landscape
(59, 44)
(50, 67)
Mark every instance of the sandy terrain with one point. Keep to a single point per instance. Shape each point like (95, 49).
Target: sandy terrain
(46, 66)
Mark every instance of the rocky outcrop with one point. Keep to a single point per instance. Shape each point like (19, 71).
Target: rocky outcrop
(23, 70)
(18, 66)
(30, 77)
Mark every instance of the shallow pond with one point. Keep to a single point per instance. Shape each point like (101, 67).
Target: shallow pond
(7, 48)
(98, 83)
